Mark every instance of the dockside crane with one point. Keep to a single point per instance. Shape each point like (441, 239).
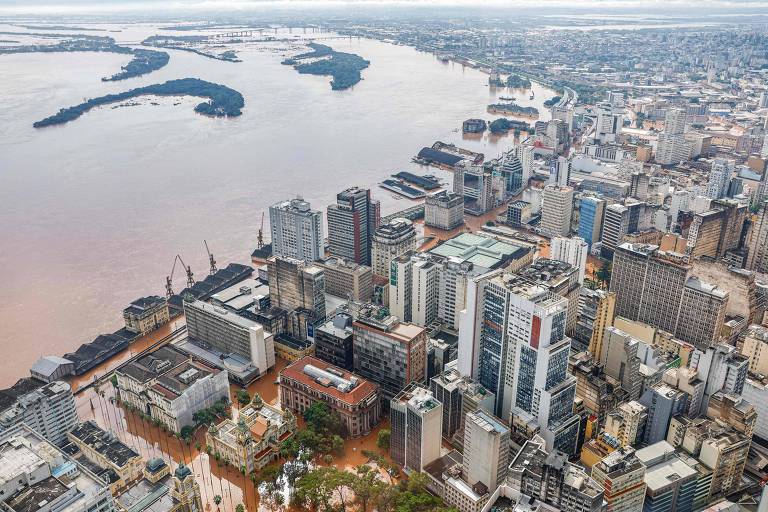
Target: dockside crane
(169, 278)
(210, 258)
(260, 239)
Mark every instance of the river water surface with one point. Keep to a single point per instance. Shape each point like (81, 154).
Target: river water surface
(93, 212)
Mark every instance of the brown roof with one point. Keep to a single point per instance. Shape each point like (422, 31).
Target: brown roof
(259, 427)
(363, 390)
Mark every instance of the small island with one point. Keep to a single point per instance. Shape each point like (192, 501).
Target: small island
(222, 101)
(345, 68)
(513, 109)
(551, 102)
(143, 61)
(503, 125)
(518, 82)
(187, 44)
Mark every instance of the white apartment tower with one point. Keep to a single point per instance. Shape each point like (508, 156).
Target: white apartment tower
(556, 210)
(573, 251)
(297, 230)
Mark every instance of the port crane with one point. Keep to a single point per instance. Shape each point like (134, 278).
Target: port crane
(169, 278)
(260, 239)
(210, 258)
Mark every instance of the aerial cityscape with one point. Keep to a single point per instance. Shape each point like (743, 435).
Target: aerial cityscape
(383, 256)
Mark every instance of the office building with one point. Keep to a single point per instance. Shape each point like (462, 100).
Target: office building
(571, 250)
(595, 314)
(460, 395)
(720, 177)
(475, 184)
(416, 419)
(556, 210)
(619, 220)
(755, 348)
(663, 402)
(48, 409)
(511, 170)
(146, 314)
(757, 258)
(591, 213)
(105, 451)
(444, 210)
(351, 224)
(702, 313)
(672, 147)
(558, 277)
(170, 387)
(390, 240)
(230, 335)
(299, 290)
(721, 368)
(415, 288)
(297, 230)
(486, 449)
(548, 477)
(389, 352)
(671, 483)
(639, 186)
(37, 476)
(518, 213)
(253, 441)
(756, 392)
(559, 172)
(627, 423)
(333, 341)
(619, 358)
(597, 393)
(354, 399)
(347, 279)
(608, 123)
(622, 477)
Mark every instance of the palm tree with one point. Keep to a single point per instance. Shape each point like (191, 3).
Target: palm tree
(217, 501)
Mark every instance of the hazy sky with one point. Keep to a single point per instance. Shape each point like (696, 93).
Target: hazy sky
(700, 7)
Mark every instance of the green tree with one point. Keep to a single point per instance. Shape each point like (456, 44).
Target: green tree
(243, 398)
(604, 273)
(382, 438)
(239, 508)
(217, 501)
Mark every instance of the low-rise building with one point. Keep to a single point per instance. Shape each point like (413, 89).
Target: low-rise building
(622, 477)
(253, 441)
(355, 399)
(105, 451)
(171, 387)
(146, 314)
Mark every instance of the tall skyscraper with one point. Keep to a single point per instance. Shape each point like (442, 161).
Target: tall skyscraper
(298, 289)
(486, 449)
(596, 312)
(672, 147)
(573, 251)
(620, 220)
(591, 212)
(391, 240)
(556, 210)
(757, 259)
(297, 230)
(352, 222)
(459, 395)
(608, 123)
(560, 172)
(720, 177)
(416, 428)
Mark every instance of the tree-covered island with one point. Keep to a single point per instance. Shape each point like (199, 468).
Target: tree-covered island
(344, 68)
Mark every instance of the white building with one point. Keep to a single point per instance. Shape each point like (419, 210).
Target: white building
(720, 177)
(486, 449)
(444, 210)
(556, 210)
(390, 241)
(571, 250)
(672, 147)
(297, 230)
(47, 409)
(416, 421)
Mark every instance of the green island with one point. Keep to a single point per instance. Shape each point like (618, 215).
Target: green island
(222, 101)
(518, 82)
(503, 125)
(512, 108)
(59, 27)
(183, 43)
(345, 68)
(143, 61)
(554, 100)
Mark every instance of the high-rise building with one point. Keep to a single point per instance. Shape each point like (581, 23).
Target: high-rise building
(525, 154)
(351, 224)
(558, 277)
(37, 476)
(556, 210)
(627, 423)
(333, 341)
(228, 333)
(720, 177)
(672, 147)
(663, 402)
(619, 220)
(639, 186)
(755, 347)
(591, 212)
(722, 368)
(702, 313)
(486, 449)
(671, 483)
(299, 289)
(459, 395)
(390, 241)
(389, 352)
(347, 279)
(512, 171)
(547, 476)
(48, 409)
(559, 172)
(622, 477)
(619, 358)
(416, 428)
(475, 184)
(608, 124)
(757, 258)
(596, 313)
(444, 210)
(571, 250)
(297, 230)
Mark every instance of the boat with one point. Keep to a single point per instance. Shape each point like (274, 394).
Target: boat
(506, 98)
(531, 95)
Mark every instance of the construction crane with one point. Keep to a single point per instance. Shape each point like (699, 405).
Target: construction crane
(210, 258)
(260, 239)
(169, 278)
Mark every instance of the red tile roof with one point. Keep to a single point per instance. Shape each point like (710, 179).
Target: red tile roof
(359, 393)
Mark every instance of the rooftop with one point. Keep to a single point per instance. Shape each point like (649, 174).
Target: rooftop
(330, 380)
(482, 251)
(104, 443)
